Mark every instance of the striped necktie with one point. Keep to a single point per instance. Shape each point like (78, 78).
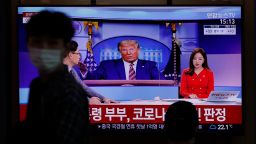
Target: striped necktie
(132, 75)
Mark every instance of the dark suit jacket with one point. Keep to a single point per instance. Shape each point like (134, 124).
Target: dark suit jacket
(114, 70)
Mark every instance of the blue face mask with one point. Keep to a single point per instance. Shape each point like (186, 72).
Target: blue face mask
(46, 60)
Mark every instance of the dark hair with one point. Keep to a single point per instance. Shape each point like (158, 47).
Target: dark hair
(191, 66)
(181, 121)
(50, 24)
(123, 41)
(73, 46)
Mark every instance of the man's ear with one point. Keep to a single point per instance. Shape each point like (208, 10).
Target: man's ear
(138, 50)
(70, 54)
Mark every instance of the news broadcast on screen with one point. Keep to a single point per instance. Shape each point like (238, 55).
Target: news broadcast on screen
(145, 58)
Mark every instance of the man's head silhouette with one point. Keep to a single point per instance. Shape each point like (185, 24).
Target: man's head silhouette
(181, 122)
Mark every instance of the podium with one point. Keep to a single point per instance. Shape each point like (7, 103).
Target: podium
(129, 82)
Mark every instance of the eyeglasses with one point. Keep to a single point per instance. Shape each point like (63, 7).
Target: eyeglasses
(76, 53)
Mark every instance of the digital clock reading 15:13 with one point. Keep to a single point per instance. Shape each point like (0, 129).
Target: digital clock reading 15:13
(227, 21)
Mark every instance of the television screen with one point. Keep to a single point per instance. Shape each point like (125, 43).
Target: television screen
(165, 38)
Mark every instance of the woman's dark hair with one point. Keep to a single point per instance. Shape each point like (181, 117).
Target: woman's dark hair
(50, 24)
(181, 121)
(191, 66)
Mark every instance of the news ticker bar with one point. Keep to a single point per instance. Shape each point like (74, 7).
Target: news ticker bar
(159, 127)
(208, 114)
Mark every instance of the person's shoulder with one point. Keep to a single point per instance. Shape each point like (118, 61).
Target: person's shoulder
(185, 70)
(147, 61)
(71, 88)
(208, 71)
(105, 62)
(35, 81)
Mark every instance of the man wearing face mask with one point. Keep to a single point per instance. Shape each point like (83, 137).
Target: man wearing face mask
(58, 106)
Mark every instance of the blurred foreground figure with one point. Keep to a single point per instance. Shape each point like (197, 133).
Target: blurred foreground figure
(181, 123)
(58, 106)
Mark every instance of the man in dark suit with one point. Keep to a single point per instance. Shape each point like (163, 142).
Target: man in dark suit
(129, 67)
(72, 58)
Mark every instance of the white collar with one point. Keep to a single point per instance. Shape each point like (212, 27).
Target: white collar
(128, 63)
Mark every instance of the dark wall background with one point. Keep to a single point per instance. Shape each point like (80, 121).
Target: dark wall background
(3, 74)
(8, 83)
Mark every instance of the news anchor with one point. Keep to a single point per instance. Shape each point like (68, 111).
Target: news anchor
(197, 81)
(129, 67)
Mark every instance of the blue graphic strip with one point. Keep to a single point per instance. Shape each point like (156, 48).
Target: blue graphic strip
(145, 13)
